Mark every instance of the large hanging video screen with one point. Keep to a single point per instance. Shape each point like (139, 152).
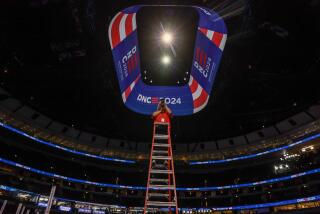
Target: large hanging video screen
(181, 70)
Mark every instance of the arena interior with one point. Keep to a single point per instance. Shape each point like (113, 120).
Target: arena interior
(71, 142)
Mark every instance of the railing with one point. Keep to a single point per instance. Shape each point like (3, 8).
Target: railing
(66, 142)
(257, 154)
(220, 156)
(63, 148)
(233, 186)
(183, 210)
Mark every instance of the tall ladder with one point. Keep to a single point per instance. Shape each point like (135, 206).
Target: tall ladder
(161, 195)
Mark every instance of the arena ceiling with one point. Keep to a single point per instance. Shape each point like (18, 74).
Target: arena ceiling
(55, 57)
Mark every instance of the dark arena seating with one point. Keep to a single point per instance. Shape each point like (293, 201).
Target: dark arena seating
(76, 136)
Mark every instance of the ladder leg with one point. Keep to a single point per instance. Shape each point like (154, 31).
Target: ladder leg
(173, 174)
(161, 186)
(150, 165)
(169, 183)
(170, 196)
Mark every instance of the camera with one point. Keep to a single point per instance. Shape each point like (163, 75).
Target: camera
(162, 104)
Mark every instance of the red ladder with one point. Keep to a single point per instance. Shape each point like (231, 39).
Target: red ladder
(161, 186)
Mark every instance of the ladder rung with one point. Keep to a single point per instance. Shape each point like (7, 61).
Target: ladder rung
(159, 123)
(161, 136)
(161, 158)
(160, 166)
(161, 204)
(161, 171)
(160, 151)
(158, 180)
(158, 194)
(161, 144)
(158, 186)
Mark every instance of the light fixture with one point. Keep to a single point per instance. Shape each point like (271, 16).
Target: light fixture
(167, 37)
(166, 60)
(307, 148)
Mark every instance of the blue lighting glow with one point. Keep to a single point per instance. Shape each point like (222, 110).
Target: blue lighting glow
(257, 154)
(62, 148)
(242, 207)
(42, 204)
(310, 172)
(132, 161)
(84, 210)
(257, 206)
(271, 204)
(64, 208)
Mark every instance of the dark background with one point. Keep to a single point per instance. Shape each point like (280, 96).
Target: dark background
(55, 56)
(182, 24)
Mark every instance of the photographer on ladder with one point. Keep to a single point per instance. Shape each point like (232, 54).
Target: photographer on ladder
(163, 113)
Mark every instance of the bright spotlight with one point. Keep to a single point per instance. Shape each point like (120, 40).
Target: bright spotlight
(167, 37)
(166, 60)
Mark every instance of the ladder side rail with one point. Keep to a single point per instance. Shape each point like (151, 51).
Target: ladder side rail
(150, 166)
(173, 174)
(169, 168)
(167, 162)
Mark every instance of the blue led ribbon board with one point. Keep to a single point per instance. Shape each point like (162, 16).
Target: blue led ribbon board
(188, 99)
(203, 209)
(232, 186)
